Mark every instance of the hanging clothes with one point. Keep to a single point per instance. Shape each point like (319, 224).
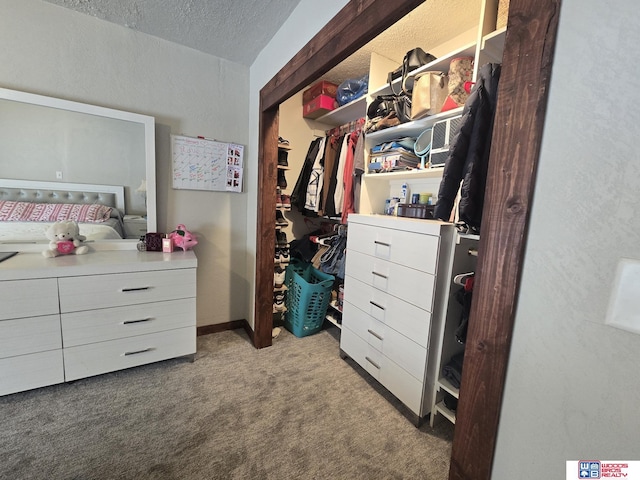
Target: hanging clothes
(348, 177)
(316, 179)
(331, 152)
(330, 205)
(338, 196)
(468, 158)
(299, 193)
(358, 170)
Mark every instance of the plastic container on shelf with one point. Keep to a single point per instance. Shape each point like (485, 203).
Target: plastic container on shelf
(308, 297)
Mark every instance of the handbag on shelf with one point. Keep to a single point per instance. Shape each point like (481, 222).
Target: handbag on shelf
(429, 93)
(402, 105)
(413, 59)
(460, 76)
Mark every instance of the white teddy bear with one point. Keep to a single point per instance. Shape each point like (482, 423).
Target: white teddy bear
(65, 239)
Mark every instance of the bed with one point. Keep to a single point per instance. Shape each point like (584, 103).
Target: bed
(28, 208)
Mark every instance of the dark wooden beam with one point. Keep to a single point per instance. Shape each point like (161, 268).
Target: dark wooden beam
(522, 100)
(356, 24)
(266, 236)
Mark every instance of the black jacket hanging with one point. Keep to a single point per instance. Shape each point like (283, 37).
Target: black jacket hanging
(468, 159)
(299, 193)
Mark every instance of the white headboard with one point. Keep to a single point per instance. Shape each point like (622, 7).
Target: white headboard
(54, 192)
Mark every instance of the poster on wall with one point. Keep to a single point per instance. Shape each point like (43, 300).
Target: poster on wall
(200, 163)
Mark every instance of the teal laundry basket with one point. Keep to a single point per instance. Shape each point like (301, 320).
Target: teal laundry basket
(308, 296)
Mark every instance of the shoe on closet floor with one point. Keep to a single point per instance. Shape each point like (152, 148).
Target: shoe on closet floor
(278, 277)
(284, 255)
(283, 158)
(280, 220)
(282, 181)
(281, 239)
(278, 302)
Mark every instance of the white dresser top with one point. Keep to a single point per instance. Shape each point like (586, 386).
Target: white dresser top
(416, 225)
(34, 265)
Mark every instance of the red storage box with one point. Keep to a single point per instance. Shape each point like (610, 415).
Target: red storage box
(319, 106)
(321, 88)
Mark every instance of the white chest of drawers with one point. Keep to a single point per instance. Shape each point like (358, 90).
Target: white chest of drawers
(76, 316)
(394, 274)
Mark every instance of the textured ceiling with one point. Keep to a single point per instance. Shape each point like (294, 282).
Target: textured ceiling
(238, 29)
(432, 23)
(233, 29)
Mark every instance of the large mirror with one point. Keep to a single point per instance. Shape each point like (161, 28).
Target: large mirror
(54, 151)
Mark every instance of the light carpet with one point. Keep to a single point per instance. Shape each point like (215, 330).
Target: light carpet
(295, 410)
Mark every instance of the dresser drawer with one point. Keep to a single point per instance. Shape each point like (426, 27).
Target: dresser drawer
(402, 316)
(400, 383)
(35, 370)
(29, 335)
(393, 345)
(411, 249)
(79, 328)
(28, 298)
(411, 285)
(102, 291)
(97, 358)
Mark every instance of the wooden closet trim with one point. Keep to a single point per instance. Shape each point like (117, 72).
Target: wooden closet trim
(517, 137)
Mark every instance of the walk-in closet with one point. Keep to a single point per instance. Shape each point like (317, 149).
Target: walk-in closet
(401, 290)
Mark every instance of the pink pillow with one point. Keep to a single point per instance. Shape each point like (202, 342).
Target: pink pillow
(11, 211)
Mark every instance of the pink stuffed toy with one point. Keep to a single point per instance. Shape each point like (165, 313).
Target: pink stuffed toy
(183, 238)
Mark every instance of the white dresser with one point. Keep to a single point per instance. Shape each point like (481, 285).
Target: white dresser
(75, 316)
(395, 270)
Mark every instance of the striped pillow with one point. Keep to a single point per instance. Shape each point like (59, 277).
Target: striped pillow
(11, 211)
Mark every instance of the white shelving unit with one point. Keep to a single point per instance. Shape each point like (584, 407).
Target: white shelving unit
(346, 113)
(445, 337)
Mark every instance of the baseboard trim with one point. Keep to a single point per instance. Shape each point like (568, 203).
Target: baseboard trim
(221, 327)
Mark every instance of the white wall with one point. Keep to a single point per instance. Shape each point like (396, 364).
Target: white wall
(306, 20)
(573, 386)
(54, 51)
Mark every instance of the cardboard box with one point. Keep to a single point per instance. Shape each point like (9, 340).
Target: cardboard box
(321, 88)
(319, 106)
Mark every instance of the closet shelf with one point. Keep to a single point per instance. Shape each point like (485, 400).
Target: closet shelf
(438, 65)
(346, 113)
(493, 45)
(446, 385)
(407, 174)
(284, 146)
(409, 129)
(448, 414)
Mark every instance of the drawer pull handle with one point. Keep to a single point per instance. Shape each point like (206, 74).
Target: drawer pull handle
(377, 242)
(377, 335)
(380, 275)
(135, 289)
(136, 352)
(376, 305)
(129, 322)
(372, 362)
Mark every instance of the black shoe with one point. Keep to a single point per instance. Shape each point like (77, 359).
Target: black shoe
(282, 158)
(282, 182)
(280, 220)
(281, 240)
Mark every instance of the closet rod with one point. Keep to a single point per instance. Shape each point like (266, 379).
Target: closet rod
(346, 128)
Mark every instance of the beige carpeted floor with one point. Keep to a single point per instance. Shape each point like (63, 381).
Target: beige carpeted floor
(295, 410)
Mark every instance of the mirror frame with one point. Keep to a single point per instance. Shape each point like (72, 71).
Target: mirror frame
(148, 123)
